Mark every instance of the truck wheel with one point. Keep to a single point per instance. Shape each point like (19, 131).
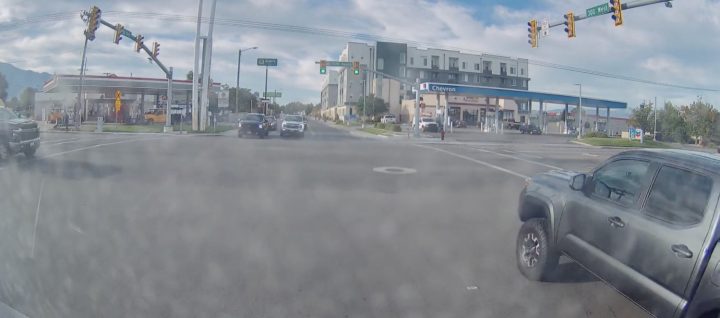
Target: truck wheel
(30, 152)
(536, 255)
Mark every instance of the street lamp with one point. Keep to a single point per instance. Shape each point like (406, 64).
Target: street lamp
(237, 79)
(580, 123)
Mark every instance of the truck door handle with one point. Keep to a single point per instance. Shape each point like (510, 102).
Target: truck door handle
(616, 222)
(682, 250)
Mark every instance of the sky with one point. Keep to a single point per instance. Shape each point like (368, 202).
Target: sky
(670, 45)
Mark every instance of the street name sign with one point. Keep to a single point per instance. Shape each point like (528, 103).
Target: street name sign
(273, 94)
(598, 10)
(267, 62)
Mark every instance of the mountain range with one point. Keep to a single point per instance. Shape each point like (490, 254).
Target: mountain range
(18, 79)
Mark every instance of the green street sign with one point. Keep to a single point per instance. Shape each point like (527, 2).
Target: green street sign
(338, 63)
(273, 94)
(266, 62)
(598, 10)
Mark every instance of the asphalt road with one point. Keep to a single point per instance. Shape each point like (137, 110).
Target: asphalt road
(190, 226)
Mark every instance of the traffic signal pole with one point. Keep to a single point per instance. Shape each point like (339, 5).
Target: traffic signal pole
(625, 6)
(81, 100)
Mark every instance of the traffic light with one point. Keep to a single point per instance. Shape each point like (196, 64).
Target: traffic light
(570, 24)
(139, 43)
(356, 68)
(323, 67)
(93, 19)
(156, 49)
(118, 33)
(533, 33)
(617, 12)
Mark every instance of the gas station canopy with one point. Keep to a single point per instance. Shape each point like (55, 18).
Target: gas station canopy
(517, 94)
(127, 85)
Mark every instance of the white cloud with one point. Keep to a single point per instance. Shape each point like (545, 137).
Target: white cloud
(655, 43)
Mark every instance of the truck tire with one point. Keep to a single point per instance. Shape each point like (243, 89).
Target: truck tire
(30, 152)
(536, 254)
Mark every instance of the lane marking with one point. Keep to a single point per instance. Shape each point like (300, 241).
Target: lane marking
(480, 162)
(37, 218)
(58, 140)
(97, 146)
(75, 228)
(395, 170)
(518, 158)
(522, 154)
(590, 155)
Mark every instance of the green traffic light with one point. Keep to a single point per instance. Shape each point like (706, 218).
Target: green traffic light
(323, 70)
(356, 71)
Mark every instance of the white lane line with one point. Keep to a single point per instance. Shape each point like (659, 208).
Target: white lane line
(83, 140)
(57, 140)
(522, 154)
(75, 228)
(37, 218)
(518, 158)
(487, 164)
(97, 146)
(590, 155)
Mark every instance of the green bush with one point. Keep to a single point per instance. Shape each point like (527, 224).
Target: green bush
(380, 125)
(396, 128)
(595, 134)
(338, 122)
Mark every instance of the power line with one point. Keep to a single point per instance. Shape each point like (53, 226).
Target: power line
(60, 16)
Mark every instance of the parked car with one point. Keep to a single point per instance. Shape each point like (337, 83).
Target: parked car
(512, 124)
(644, 221)
(17, 135)
(459, 124)
(530, 129)
(388, 119)
(292, 125)
(272, 122)
(253, 124)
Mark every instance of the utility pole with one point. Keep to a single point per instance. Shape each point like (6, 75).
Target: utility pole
(580, 126)
(416, 120)
(196, 66)
(265, 93)
(655, 129)
(237, 80)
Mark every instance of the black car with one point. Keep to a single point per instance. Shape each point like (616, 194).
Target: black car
(17, 135)
(644, 221)
(254, 124)
(531, 129)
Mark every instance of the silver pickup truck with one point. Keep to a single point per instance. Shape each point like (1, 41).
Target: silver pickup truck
(646, 222)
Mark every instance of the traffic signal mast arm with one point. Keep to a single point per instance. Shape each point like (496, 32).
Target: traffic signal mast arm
(132, 37)
(625, 6)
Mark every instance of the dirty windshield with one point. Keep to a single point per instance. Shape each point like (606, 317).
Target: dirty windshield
(359, 158)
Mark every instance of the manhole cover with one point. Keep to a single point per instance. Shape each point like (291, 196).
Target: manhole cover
(394, 170)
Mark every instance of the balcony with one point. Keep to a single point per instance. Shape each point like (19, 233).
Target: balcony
(434, 67)
(452, 81)
(487, 71)
(503, 72)
(454, 68)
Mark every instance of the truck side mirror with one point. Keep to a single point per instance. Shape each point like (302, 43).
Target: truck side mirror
(577, 182)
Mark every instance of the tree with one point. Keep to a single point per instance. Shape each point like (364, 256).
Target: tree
(295, 107)
(189, 75)
(244, 100)
(3, 87)
(643, 117)
(375, 106)
(27, 97)
(701, 118)
(671, 124)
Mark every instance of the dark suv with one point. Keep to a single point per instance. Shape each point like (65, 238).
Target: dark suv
(254, 124)
(645, 222)
(17, 135)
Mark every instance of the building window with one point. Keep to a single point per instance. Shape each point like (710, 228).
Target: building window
(422, 74)
(467, 77)
(524, 83)
(463, 65)
(403, 58)
(435, 61)
(487, 66)
(522, 71)
(453, 62)
(424, 61)
(503, 68)
(512, 70)
(452, 76)
(477, 78)
(434, 75)
(487, 79)
(477, 66)
(402, 71)
(412, 61)
(513, 82)
(380, 63)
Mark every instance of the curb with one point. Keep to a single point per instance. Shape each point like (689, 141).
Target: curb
(586, 145)
(365, 135)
